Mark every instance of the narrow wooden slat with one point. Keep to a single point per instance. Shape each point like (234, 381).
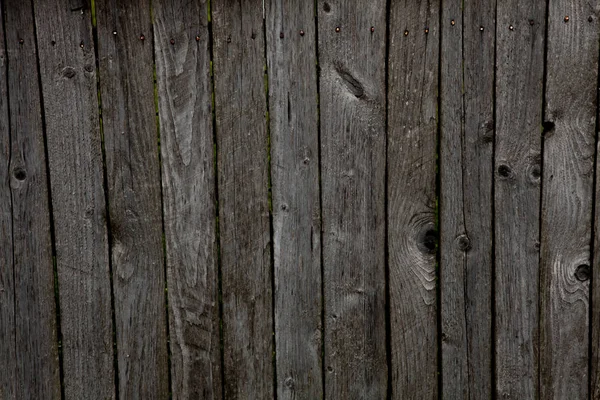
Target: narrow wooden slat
(568, 173)
(68, 75)
(296, 211)
(242, 148)
(466, 163)
(8, 380)
(36, 373)
(519, 81)
(412, 142)
(125, 54)
(352, 104)
(188, 176)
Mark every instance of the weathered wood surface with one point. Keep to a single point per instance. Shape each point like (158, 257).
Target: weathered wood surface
(567, 194)
(293, 114)
(517, 168)
(411, 178)
(125, 56)
(188, 176)
(34, 334)
(243, 184)
(353, 142)
(68, 77)
(466, 168)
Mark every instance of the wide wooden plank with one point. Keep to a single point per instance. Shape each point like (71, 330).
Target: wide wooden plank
(125, 54)
(568, 174)
(242, 164)
(411, 167)
(68, 75)
(291, 55)
(352, 104)
(33, 328)
(188, 176)
(466, 167)
(519, 81)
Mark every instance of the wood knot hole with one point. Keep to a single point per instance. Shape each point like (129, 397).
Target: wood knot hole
(20, 174)
(582, 273)
(548, 127)
(429, 241)
(326, 7)
(504, 171)
(464, 243)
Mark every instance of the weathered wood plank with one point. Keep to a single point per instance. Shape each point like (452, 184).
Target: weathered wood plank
(34, 339)
(412, 141)
(8, 357)
(568, 173)
(125, 54)
(184, 100)
(466, 167)
(519, 81)
(295, 185)
(352, 103)
(242, 148)
(68, 75)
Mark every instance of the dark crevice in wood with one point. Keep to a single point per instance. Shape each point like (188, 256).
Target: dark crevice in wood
(438, 219)
(109, 229)
(318, 76)
(270, 194)
(162, 210)
(216, 199)
(50, 210)
(493, 222)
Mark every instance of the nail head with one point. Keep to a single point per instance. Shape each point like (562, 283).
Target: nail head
(337, 29)
(566, 18)
(406, 33)
(172, 41)
(301, 32)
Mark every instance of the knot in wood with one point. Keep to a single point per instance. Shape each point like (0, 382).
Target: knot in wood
(463, 243)
(19, 173)
(582, 273)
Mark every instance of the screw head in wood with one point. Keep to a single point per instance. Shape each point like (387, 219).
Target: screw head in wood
(21, 41)
(531, 22)
(512, 28)
(81, 44)
(337, 29)
(372, 29)
(406, 33)
(197, 38)
(229, 39)
(142, 37)
(481, 28)
(453, 22)
(426, 31)
(281, 35)
(301, 32)
(114, 33)
(172, 41)
(566, 18)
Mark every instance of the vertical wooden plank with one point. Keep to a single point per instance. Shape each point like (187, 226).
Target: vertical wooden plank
(412, 142)
(568, 173)
(125, 54)
(291, 56)
(8, 380)
(36, 373)
(186, 132)
(352, 103)
(466, 167)
(519, 81)
(242, 145)
(68, 75)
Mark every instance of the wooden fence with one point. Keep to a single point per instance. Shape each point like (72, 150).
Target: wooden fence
(341, 199)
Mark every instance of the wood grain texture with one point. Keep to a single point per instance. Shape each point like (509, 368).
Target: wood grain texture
(411, 164)
(68, 75)
(188, 176)
(466, 163)
(36, 372)
(352, 104)
(519, 84)
(8, 357)
(568, 174)
(125, 56)
(295, 185)
(242, 162)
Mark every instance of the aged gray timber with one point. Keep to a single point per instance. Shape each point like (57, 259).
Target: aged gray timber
(466, 163)
(68, 76)
(412, 141)
(352, 104)
(188, 177)
(519, 81)
(36, 373)
(291, 56)
(8, 356)
(242, 162)
(125, 54)
(568, 173)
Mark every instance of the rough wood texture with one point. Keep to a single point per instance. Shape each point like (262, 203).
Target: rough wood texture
(242, 150)
(68, 75)
(352, 103)
(296, 211)
(519, 81)
(36, 373)
(466, 163)
(125, 55)
(411, 165)
(568, 173)
(188, 175)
